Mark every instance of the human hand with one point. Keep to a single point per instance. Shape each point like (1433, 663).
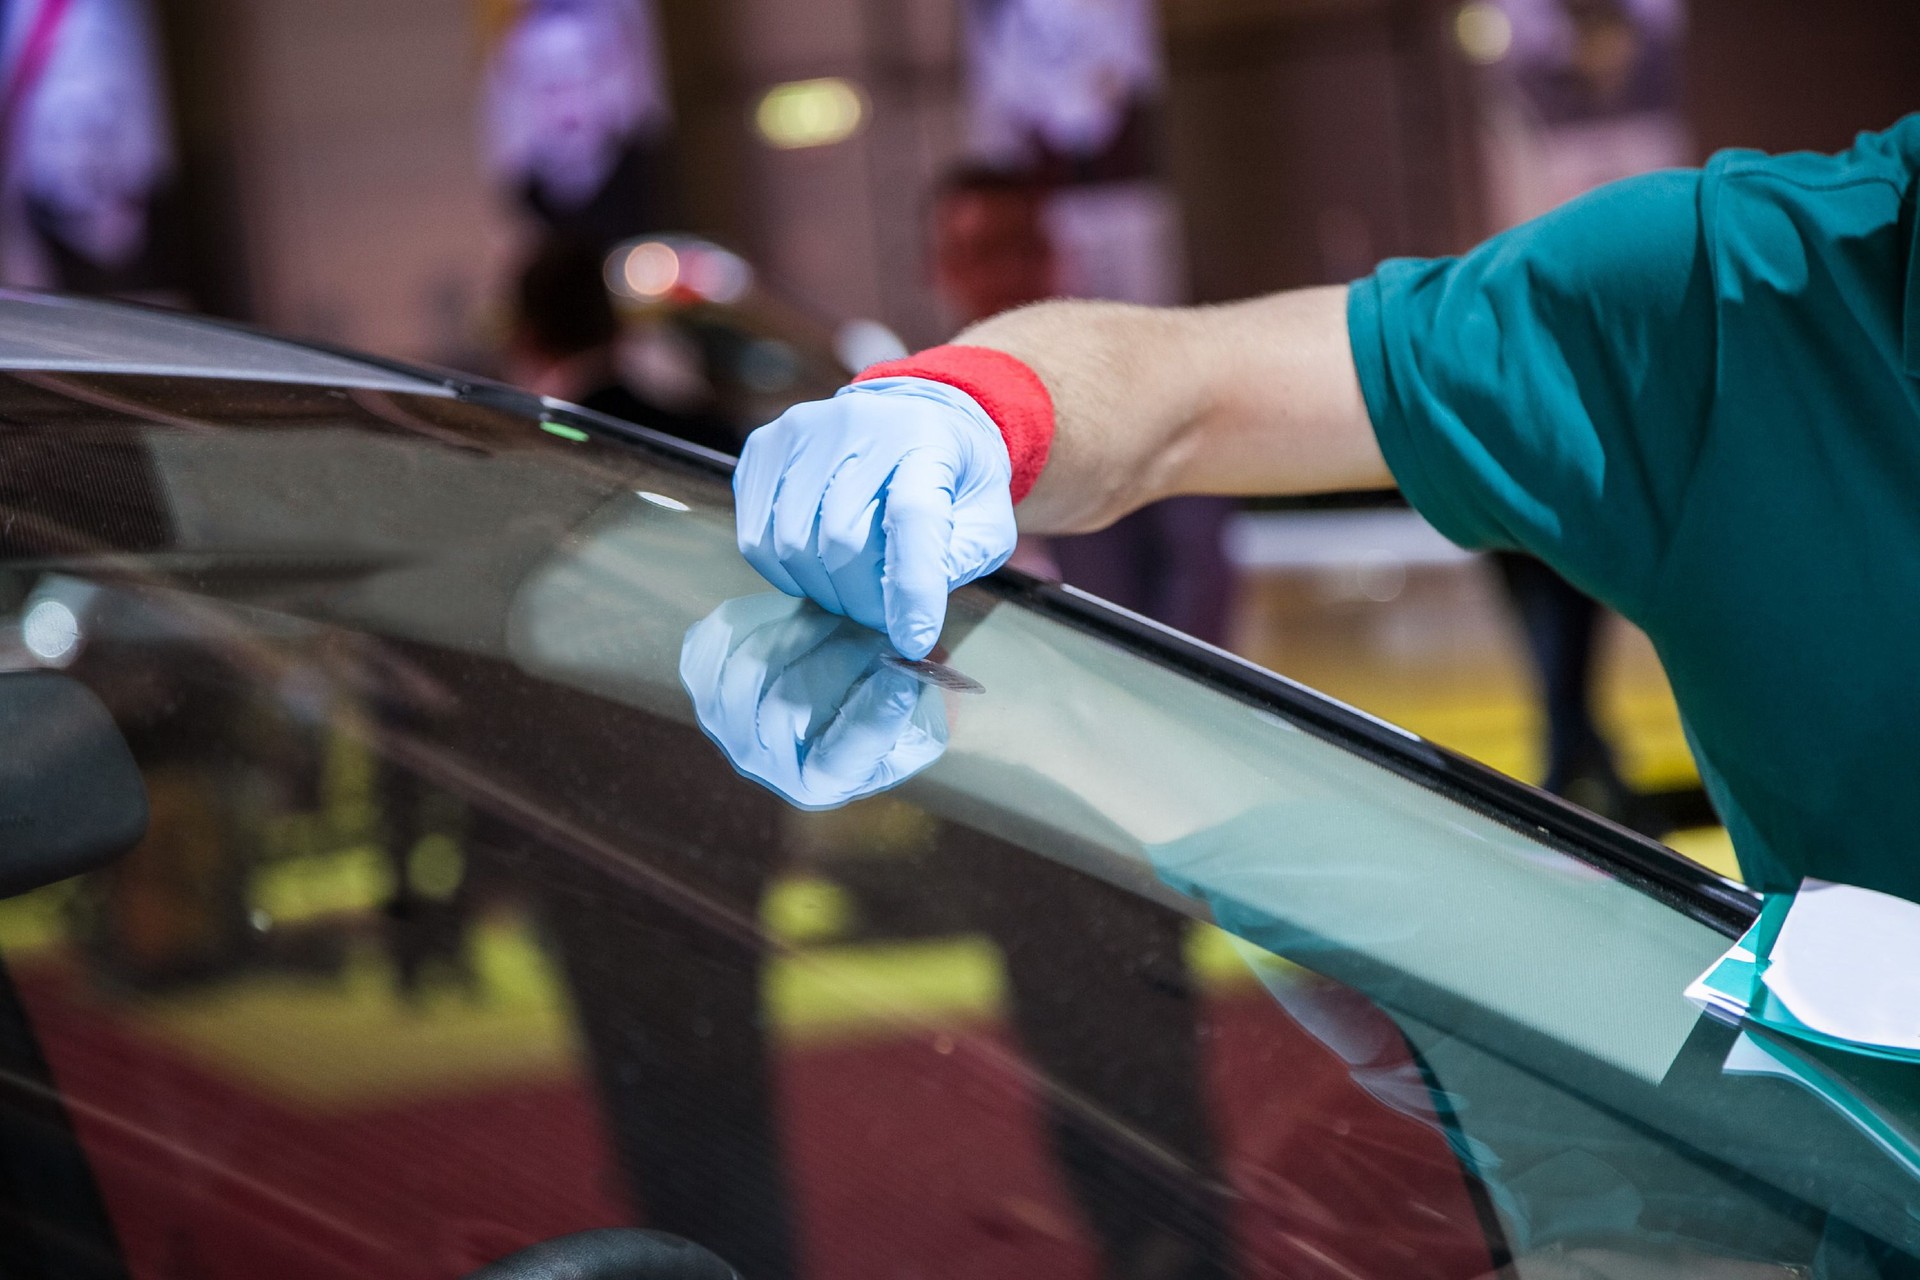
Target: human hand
(806, 703)
(878, 503)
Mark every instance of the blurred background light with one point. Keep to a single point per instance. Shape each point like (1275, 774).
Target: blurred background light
(859, 344)
(51, 632)
(685, 268)
(649, 269)
(564, 431)
(810, 113)
(1483, 31)
(713, 273)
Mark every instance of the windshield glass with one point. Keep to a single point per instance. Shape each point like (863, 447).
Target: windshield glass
(1045, 959)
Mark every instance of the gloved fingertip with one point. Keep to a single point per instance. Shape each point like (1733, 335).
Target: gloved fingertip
(915, 637)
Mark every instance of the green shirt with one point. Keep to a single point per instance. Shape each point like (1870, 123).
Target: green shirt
(1697, 395)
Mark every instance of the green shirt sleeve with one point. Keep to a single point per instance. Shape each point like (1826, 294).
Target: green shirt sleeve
(1549, 391)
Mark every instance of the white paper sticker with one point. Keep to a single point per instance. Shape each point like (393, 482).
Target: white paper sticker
(1847, 963)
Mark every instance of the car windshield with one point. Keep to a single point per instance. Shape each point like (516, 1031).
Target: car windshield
(1076, 952)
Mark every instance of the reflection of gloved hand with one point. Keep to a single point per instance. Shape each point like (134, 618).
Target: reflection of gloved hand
(878, 503)
(804, 702)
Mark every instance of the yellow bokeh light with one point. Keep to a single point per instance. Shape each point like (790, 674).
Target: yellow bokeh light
(810, 113)
(1483, 30)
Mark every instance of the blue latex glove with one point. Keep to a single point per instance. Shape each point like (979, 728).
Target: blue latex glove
(804, 702)
(878, 503)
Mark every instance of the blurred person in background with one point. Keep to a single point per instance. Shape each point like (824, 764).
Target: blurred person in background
(1069, 92)
(991, 253)
(87, 195)
(577, 119)
(1589, 94)
(564, 344)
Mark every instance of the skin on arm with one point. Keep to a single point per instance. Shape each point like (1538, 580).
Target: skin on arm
(1255, 397)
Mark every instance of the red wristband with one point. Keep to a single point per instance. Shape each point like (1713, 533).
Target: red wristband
(1010, 392)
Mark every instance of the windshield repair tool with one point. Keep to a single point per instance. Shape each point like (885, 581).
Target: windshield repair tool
(937, 674)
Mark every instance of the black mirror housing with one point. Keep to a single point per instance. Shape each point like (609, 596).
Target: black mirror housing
(71, 796)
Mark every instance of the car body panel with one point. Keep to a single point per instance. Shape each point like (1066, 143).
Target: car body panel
(49, 333)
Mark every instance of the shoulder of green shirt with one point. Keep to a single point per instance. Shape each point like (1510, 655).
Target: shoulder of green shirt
(1507, 388)
(1888, 156)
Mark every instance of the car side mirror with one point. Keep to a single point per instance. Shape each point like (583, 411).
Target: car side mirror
(610, 1253)
(71, 796)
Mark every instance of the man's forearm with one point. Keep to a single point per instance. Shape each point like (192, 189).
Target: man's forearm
(1254, 397)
